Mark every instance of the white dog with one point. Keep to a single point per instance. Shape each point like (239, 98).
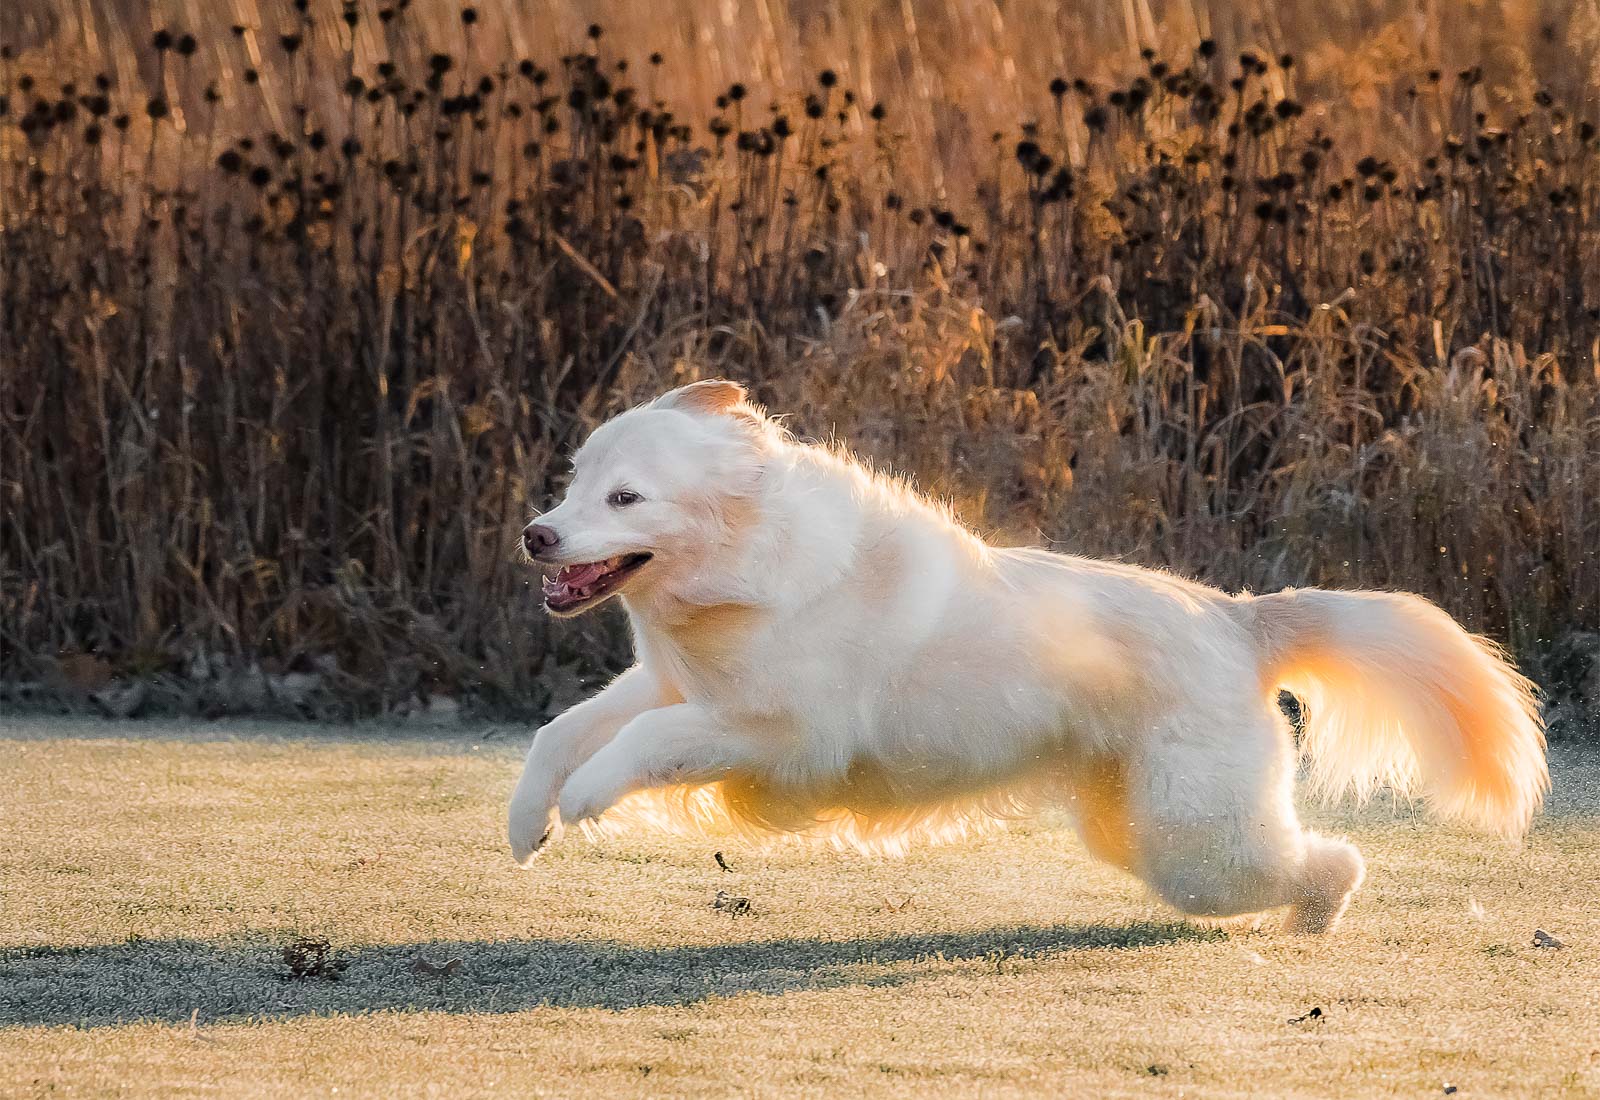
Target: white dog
(823, 652)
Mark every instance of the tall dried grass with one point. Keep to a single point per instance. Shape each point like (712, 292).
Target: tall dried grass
(298, 317)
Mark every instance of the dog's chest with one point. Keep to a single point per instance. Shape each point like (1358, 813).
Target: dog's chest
(715, 656)
(746, 666)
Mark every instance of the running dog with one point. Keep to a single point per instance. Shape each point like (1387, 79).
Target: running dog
(822, 651)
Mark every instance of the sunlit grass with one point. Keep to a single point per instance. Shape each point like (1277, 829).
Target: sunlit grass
(152, 882)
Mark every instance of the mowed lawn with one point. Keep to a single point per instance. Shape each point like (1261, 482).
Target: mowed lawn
(151, 874)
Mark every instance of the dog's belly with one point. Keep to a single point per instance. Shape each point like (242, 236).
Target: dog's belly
(874, 800)
(878, 766)
(980, 708)
(872, 786)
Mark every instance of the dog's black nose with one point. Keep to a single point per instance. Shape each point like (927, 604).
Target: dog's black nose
(538, 538)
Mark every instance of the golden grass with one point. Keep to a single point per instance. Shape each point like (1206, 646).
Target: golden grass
(153, 873)
(958, 69)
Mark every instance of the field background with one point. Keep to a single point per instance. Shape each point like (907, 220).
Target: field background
(302, 309)
(160, 870)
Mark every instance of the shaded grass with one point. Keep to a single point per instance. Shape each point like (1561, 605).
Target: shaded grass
(167, 980)
(151, 880)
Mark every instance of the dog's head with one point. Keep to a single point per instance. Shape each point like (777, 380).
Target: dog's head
(651, 495)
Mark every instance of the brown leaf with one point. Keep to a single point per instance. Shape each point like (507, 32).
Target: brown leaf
(731, 904)
(308, 958)
(428, 969)
(466, 233)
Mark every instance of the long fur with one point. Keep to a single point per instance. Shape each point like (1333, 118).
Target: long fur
(1396, 695)
(823, 653)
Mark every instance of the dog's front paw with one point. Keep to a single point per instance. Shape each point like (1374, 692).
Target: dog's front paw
(525, 853)
(528, 833)
(580, 803)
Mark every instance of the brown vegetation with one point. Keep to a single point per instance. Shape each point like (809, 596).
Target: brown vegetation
(298, 317)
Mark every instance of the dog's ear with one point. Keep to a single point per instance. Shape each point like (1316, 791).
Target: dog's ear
(714, 395)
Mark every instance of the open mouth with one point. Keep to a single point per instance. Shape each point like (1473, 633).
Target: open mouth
(577, 586)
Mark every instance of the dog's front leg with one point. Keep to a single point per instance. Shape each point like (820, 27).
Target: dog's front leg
(677, 744)
(564, 744)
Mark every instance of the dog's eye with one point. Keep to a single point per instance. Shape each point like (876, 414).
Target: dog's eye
(621, 498)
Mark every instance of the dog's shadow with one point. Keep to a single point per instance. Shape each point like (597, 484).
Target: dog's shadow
(247, 978)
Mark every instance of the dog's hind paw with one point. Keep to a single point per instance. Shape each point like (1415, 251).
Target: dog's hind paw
(578, 806)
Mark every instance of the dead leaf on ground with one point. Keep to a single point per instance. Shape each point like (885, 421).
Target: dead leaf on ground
(891, 906)
(307, 958)
(442, 970)
(1541, 938)
(732, 904)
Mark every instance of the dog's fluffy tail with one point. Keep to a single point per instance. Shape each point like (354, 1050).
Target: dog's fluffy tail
(1395, 693)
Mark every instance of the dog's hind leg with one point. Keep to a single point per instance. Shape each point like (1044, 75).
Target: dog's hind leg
(1218, 832)
(1330, 874)
(1098, 800)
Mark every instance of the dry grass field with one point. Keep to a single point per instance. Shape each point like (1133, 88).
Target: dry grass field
(153, 874)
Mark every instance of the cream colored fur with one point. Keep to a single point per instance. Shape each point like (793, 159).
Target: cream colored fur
(823, 653)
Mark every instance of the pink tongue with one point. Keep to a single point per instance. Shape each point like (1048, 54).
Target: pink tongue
(576, 576)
